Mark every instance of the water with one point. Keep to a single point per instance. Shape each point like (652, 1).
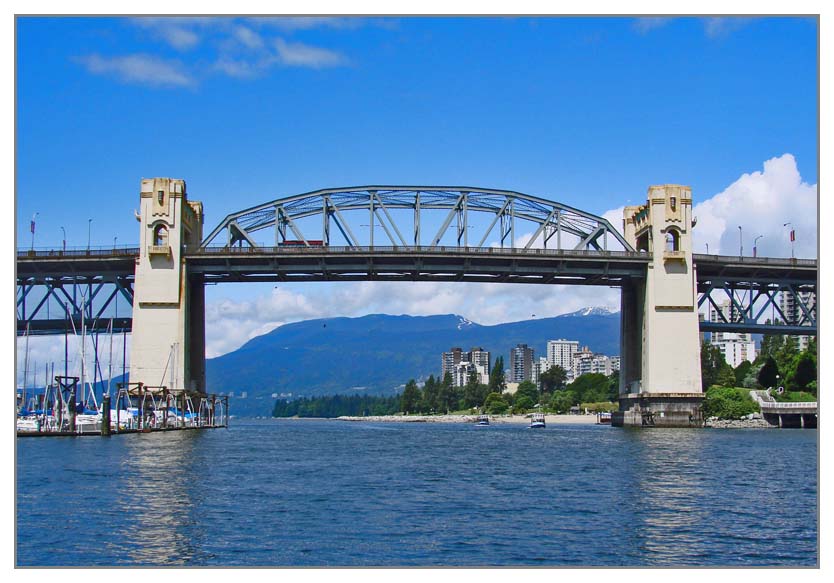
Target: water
(290, 492)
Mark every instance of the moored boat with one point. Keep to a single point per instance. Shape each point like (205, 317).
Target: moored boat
(537, 421)
(483, 419)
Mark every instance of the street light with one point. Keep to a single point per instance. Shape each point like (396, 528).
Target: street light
(740, 244)
(65, 238)
(114, 241)
(754, 244)
(792, 236)
(32, 228)
(89, 224)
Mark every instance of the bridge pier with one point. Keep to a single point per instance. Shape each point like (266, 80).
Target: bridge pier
(168, 342)
(660, 366)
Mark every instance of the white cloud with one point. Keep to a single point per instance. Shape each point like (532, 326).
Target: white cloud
(717, 27)
(646, 24)
(760, 202)
(138, 69)
(294, 23)
(248, 37)
(302, 55)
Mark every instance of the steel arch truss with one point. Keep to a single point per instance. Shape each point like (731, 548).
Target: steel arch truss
(417, 216)
(52, 305)
(755, 306)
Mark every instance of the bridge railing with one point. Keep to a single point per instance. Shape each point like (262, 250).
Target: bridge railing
(788, 405)
(315, 249)
(754, 260)
(103, 251)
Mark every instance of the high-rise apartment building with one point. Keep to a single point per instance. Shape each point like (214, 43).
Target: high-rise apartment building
(736, 347)
(560, 353)
(795, 314)
(521, 363)
(460, 363)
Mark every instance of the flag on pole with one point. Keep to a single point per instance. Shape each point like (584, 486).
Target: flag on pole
(32, 226)
(793, 234)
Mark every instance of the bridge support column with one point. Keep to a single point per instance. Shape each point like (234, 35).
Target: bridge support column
(660, 367)
(168, 340)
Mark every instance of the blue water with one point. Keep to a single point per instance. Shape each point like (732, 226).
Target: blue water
(297, 492)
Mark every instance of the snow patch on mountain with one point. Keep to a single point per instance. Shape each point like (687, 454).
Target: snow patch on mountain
(593, 311)
(463, 323)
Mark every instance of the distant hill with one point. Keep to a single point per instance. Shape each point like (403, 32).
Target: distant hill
(377, 354)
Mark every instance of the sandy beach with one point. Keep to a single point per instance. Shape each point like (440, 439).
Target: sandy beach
(493, 419)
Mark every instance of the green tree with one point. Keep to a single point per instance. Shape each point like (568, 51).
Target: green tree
(522, 404)
(497, 381)
(528, 389)
(751, 381)
(474, 393)
(495, 404)
(726, 376)
(614, 386)
(590, 388)
(741, 372)
(446, 399)
(712, 361)
(431, 393)
(806, 371)
(768, 373)
(410, 398)
(561, 401)
(553, 379)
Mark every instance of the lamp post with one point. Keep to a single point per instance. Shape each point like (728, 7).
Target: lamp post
(740, 244)
(115, 237)
(89, 225)
(32, 228)
(707, 248)
(792, 236)
(63, 230)
(754, 244)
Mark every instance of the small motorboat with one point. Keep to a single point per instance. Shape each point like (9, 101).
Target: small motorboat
(537, 421)
(483, 419)
(604, 418)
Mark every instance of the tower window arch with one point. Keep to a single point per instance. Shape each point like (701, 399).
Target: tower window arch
(673, 241)
(160, 235)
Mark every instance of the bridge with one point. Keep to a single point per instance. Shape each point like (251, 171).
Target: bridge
(454, 234)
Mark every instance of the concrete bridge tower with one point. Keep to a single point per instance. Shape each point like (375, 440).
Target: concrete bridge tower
(660, 367)
(168, 339)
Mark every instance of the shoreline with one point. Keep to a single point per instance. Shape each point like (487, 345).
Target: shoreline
(493, 419)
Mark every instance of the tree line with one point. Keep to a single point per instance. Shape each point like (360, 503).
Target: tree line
(779, 363)
(554, 394)
(438, 396)
(331, 406)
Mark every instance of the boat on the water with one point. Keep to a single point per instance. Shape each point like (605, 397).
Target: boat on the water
(483, 419)
(537, 421)
(604, 418)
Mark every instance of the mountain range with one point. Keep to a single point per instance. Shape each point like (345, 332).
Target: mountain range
(377, 354)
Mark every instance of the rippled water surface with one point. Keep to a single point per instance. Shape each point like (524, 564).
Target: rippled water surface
(295, 492)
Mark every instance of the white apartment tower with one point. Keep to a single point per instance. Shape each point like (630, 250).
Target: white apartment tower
(560, 353)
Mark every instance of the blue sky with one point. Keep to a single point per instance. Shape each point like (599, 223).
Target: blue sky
(585, 111)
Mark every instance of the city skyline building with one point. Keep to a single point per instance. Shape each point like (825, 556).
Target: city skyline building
(521, 363)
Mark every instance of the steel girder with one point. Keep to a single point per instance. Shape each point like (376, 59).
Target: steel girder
(750, 302)
(344, 208)
(55, 304)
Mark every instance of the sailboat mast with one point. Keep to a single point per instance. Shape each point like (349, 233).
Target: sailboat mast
(110, 363)
(25, 366)
(83, 346)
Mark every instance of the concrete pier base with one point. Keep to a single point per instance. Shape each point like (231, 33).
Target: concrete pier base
(659, 410)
